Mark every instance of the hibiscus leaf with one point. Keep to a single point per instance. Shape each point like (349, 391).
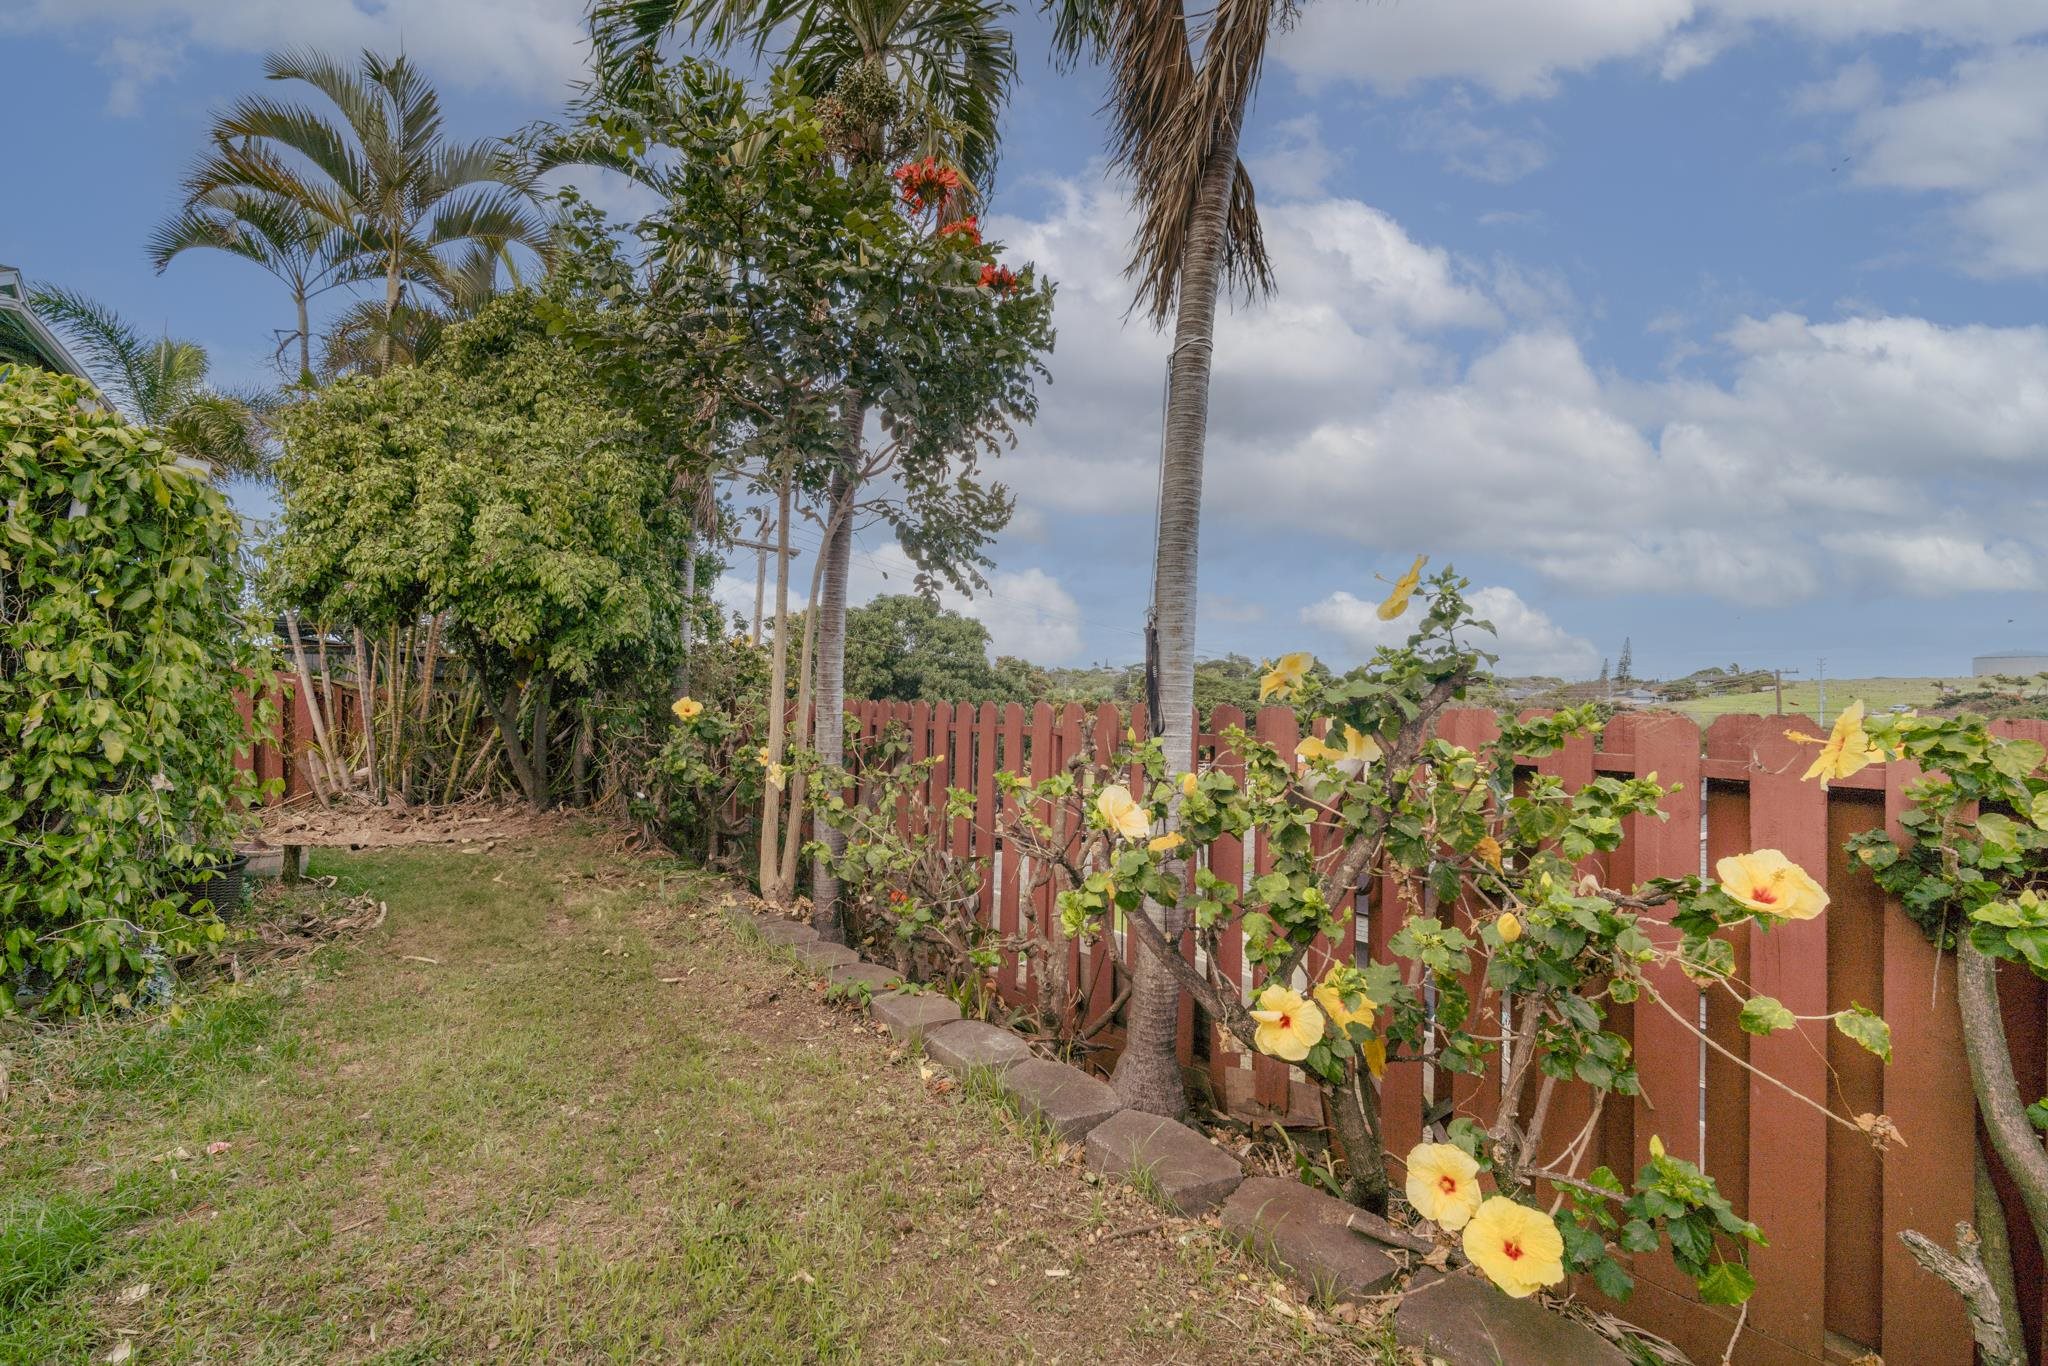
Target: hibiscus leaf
(1614, 1282)
(1726, 1283)
(1867, 1028)
(1764, 1015)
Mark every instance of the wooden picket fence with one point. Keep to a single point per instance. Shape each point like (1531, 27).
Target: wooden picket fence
(1835, 1282)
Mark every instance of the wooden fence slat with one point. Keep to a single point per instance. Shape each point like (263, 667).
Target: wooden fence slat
(1009, 877)
(1788, 1139)
(1226, 861)
(1272, 1080)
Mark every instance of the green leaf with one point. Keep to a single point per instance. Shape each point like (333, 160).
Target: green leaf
(1726, 1283)
(1613, 1280)
(1867, 1028)
(1764, 1015)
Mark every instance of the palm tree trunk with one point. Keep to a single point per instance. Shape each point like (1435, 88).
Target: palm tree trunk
(390, 309)
(305, 335)
(806, 675)
(830, 733)
(1147, 1076)
(778, 702)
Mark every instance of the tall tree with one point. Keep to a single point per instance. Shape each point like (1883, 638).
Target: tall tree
(1178, 90)
(905, 647)
(896, 78)
(162, 385)
(412, 211)
(282, 236)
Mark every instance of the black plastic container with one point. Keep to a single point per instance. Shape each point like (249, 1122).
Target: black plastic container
(221, 884)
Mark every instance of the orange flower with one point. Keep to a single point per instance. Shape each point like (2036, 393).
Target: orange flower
(927, 184)
(968, 228)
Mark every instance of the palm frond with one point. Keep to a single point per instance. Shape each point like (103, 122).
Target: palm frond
(110, 347)
(220, 430)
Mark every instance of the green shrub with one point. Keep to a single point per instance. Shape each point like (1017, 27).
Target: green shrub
(121, 648)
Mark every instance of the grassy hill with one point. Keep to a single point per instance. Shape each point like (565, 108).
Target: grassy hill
(1802, 697)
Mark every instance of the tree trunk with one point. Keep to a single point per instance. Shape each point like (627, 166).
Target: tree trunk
(305, 337)
(366, 698)
(537, 756)
(505, 715)
(778, 705)
(830, 733)
(1999, 1101)
(689, 602)
(1147, 1076)
(806, 675)
(390, 304)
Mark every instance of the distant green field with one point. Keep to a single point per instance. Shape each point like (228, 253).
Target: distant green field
(1802, 697)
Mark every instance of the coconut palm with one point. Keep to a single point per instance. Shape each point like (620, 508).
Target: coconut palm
(282, 236)
(1177, 99)
(161, 384)
(928, 77)
(411, 210)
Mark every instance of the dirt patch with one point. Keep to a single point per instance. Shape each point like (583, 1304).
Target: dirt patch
(362, 826)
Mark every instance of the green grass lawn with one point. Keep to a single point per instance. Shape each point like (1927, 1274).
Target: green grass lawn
(1803, 697)
(492, 1132)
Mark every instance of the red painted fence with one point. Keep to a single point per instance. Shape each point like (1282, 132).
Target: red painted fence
(1835, 1281)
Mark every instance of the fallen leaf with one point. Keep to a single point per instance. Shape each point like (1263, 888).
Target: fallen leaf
(134, 1294)
(122, 1351)
(1058, 1273)
(217, 1147)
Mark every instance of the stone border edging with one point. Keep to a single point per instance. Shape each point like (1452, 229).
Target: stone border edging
(1334, 1249)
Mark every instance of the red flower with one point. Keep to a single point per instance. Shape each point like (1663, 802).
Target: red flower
(926, 183)
(999, 278)
(968, 227)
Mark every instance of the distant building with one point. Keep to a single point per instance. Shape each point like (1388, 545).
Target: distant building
(24, 340)
(2022, 662)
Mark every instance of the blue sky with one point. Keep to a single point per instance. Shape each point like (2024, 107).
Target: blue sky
(1712, 324)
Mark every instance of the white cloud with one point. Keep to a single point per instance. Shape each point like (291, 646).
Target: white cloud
(1525, 638)
(1029, 614)
(534, 46)
(1295, 162)
(1510, 47)
(1980, 136)
(1517, 50)
(1471, 148)
(1835, 453)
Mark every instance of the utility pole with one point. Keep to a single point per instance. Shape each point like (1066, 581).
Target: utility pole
(761, 550)
(1778, 685)
(1823, 717)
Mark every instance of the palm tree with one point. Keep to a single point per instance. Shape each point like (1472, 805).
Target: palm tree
(408, 208)
(946, 66)
(161, 384)
(1177, 100)
(904, 76)
(278, 234)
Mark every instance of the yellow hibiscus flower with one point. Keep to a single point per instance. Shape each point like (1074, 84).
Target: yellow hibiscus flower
(1331, 1001)
(1397, 601)
(1359, 750)
(1518, 1248)
(1189, 782)
(1443, 1184)
(1172, 839)
(1769, 882)
(687, 709)
(777, 776)
(1846, 750)
(1286, 676)
(1510, 927)
(1288, 1025)
(1121, 813)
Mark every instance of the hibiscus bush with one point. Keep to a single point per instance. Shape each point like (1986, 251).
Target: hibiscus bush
(122, 646)
(1972, 871)
(1484, 859)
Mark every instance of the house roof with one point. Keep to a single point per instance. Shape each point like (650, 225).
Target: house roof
(24, 340)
